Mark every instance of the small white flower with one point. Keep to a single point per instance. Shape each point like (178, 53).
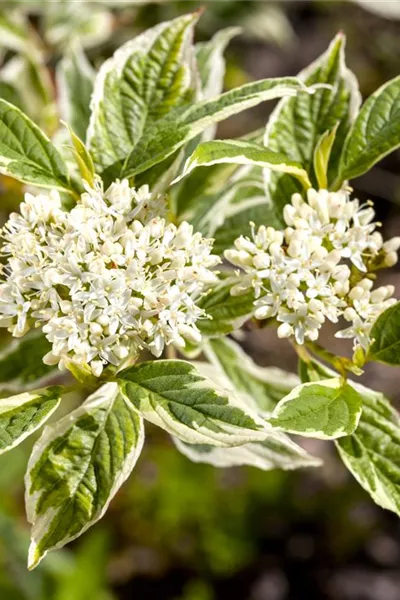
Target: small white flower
(107, 279)
(302, 276)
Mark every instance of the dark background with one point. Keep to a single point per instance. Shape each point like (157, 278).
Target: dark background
(180, 531)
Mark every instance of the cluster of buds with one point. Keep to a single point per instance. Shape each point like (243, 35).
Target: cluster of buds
(319, 268)
(105, 280)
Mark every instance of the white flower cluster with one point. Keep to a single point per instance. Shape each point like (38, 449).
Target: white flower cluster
(317, 268)
(107, 279)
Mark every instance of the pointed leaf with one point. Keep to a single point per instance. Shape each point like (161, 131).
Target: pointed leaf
(182, 125)
(175, 396)
(82, 157)
(26, 153)
(322, 154)
(326, 410)
(23, 414)
(374, 134)
(275, 451)
(140, 84)
(297, 124)
(243, 153)
(372, 453)
(385, 334)
(77, 466)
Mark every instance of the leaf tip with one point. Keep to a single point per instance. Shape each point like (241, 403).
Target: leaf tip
(199, 11)
(34, 556)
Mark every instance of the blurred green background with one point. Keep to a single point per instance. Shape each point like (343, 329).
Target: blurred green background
(181, 531)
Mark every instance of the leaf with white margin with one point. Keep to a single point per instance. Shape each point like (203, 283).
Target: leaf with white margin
(21, 363)
(327, 409)
(26, 153)
(145, 79)
(277, 451)
(241, 152)
(208, 185)
(385, 335)
(296, 125)
(167, 135)
(211, 62)
(374, 134)
(23, 414)
(372, 452)
(263, 387)
(77, 466)
(211, 66)
(75, 78)
(175, 396)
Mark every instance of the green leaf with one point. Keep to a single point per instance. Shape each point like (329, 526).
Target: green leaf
(75, 78)
(243, 153)
(21, 364)
(385, 334)
(209, 185)
(140, 84)
(82, 158)
(175, 396)
(374, 134)
(322, 155)
(226, 313)
(211, 67)
(372, 453)
(77, 466)
(263, 387)
(277, 451)
(164, 137)
(26, 153)
(297, 124)
(326, 410)
(23, 414)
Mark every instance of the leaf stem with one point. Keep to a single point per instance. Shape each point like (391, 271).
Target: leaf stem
(341, 363)
(170, 352)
